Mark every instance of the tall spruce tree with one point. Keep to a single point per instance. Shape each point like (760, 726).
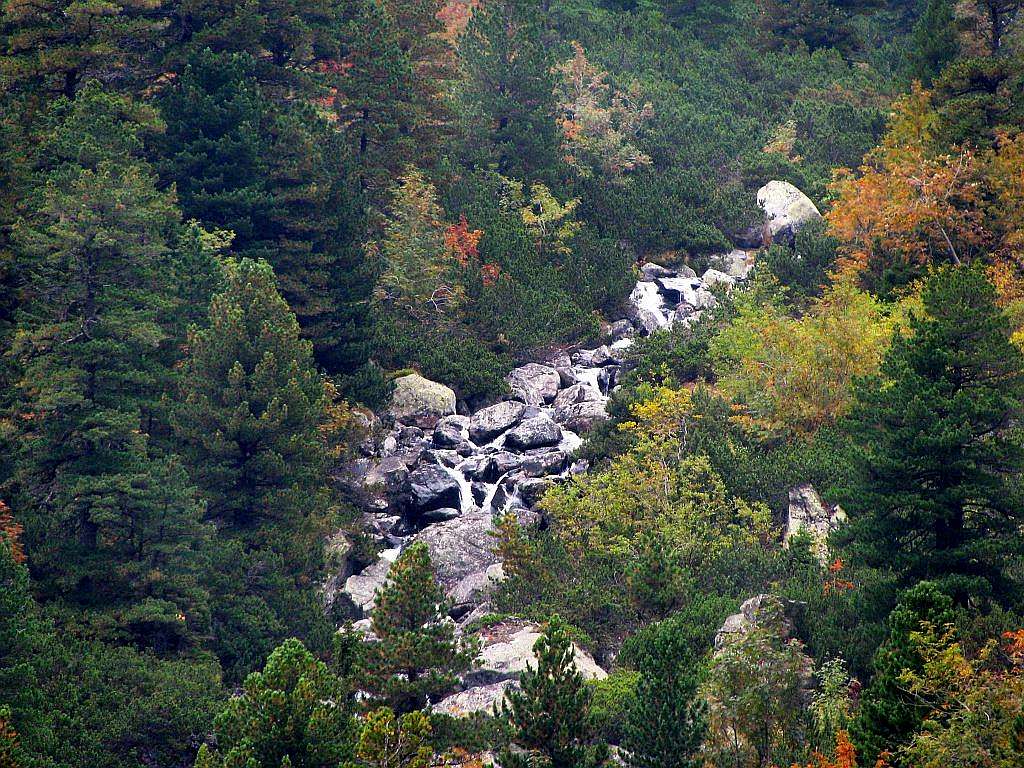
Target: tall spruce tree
(294, 43)
(50, 48)
(417, 658)
(509, 93)
(214, 148)
(549, 716)
(110, 518)
(934, 453)
(278, 179)
(667, 724)
(24, 638)
(422, 37)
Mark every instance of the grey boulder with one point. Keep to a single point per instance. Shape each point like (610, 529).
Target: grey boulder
(534, 384)
(420, 402)
(431, 487)
(488, 423)
(538, 432)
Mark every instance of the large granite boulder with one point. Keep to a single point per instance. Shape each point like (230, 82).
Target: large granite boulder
(651, 271)
(483, 699)
(808, 513)
(420, 402)
(487, 423)
(714, 278)
(460, 547)
(787, 210)
(538, 432)
(507, 649)
(534, 384)
(451, 431)
(737, 263)
(646, 308)
(582, 417)
(432, 487)
(577, 393)
(362, 588)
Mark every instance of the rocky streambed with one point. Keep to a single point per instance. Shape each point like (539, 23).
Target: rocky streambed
(444, 478)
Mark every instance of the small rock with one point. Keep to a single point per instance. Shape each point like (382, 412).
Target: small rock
(500, 464)
(687, 272)
(582, 417)
(451, 431)
(713, 278)
(607, 378)
(605, 356)
(542, 463)
(531, 489)
(620, 329)
(651, 271)
(736, 264)
(480, 492)
(439, 515)
(578, 393)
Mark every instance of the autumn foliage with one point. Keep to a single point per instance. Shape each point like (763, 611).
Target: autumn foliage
(846, 755)
(916, 202)
(10, 531)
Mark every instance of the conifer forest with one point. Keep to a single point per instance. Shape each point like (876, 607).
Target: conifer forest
(511, 384)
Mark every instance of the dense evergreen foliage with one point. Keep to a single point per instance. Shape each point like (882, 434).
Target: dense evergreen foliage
(227, 226)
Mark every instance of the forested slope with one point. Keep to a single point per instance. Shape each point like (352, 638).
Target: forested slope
(649, 369)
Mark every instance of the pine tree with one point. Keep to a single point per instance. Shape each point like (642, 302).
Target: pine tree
(387, 741)
(293, 42)
(998, 18)
(550, 716)
(50, 48)
(278, 180)
(421, 37)
(933, 494)
(935, 40)
(293, 713)
(377, 105)
(251, 412)
(668, 723)
(509, 93)
(417, 658)
(23, 643)
(213, 148)
(890, 714)
(108, 515)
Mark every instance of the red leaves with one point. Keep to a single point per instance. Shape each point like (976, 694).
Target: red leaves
(835, 584)
(463, 242)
